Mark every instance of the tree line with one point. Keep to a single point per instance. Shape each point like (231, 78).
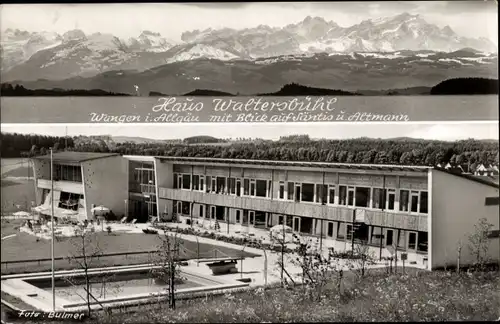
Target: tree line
(22, 145)
(403, 151)
(17, 90)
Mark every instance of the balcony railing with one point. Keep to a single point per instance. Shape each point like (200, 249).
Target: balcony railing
(67, 186)
(415, 222)
(148, 188)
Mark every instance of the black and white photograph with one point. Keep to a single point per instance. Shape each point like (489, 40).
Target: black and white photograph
(250, 162)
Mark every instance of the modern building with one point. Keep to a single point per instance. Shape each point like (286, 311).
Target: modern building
(423, 212)
(80, 182)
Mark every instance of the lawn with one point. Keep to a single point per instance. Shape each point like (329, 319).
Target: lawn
(16, 193)
(22, 171)
(416, 296)
(24, 246)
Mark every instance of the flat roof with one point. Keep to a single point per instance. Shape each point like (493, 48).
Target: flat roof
(75, 157)
(480, 179)
(395, 167)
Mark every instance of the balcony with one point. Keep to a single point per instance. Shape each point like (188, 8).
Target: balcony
(67, 186)
(334, 213)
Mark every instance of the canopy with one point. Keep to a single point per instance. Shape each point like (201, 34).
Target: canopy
(281, 228)
(99, 210)
(22, 214)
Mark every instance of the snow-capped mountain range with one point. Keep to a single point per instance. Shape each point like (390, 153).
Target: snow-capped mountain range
(42, 55)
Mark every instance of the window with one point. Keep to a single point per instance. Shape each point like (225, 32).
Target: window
(245, 217)
(423, 202)
(213, 188)
(238, 216)
(291, 187)
(232, 186)
(389, 237)
(402, 239)
(260, 219)
(209, 183)
(185, 208)
(261, 186)
(252, 187)
(412, 241)
(341, 231)
(186, 181)
(391, 198)
(307, 192)
(306, 225)
(321, 193)
(350, 196)
(201, 183)
(238, 187)
(329, 231)
(362, 197)
(196, 182)
(377, 236)
(221, 185)
(378, 198)
(414, 202)
(280, 220)
(176, 182)
(422, 242)
(201, 211)
(251, 217)
(331, 195)
(282, 190)
(343, 195)
(403, 200)
(349, 231)
(246, 187)
(297, 192)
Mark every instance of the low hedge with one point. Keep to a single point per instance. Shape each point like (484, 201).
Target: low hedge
(254, 243)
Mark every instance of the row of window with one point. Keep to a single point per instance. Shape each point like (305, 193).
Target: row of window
(223, 185)
(67, 173)
(341, 231)
(414, 201)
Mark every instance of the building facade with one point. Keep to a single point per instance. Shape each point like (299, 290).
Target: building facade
(423, 212)
(80, 182)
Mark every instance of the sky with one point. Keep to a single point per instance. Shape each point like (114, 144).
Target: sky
(476, 18)
(436, 131)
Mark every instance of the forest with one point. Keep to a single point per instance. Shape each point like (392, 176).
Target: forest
(466, 86)
(402, 151)
(17, 90)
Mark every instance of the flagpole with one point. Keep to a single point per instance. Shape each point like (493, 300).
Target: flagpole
(52, 223)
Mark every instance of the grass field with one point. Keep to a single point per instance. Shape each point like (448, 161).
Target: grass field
(24, 246)
(14, 193)
(22, 171)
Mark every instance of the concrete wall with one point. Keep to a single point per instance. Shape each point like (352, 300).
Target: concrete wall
(457, 205)
(106, 183)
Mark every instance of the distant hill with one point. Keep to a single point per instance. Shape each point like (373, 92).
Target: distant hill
(413, 91)
(295, 89)
(204, 92)
(137, 140)
(156, 94)
(466, 86)
(8, 90)
(202, 139)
